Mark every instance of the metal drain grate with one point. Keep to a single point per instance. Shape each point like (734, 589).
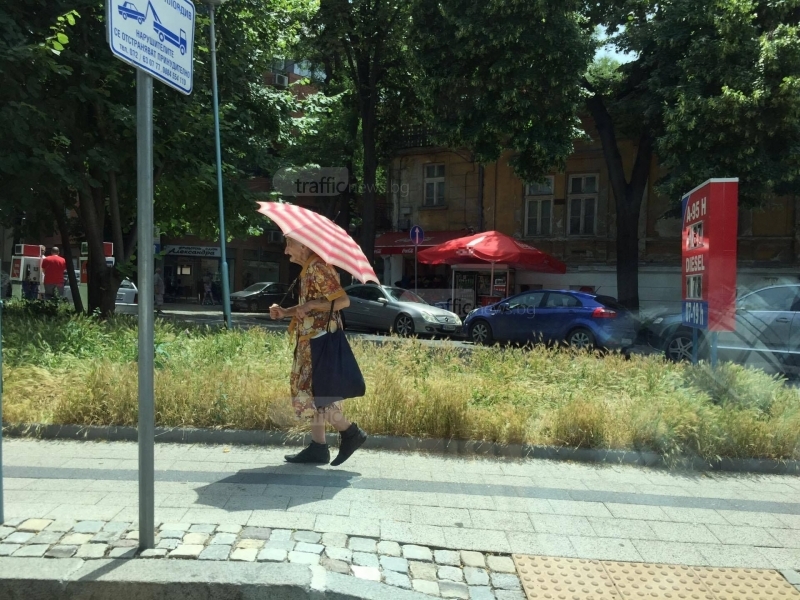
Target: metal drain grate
(551, 578)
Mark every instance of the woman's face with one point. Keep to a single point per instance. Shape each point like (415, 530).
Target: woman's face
(297, 253)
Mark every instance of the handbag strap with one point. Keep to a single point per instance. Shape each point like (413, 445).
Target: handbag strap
(330, 317)
(289, 291)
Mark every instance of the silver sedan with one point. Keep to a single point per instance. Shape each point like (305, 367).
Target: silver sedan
(387, 308)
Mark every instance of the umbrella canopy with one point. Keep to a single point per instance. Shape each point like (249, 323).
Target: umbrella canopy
(492, 247)
(329, 241)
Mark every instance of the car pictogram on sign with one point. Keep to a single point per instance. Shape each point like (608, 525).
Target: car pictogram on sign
(128, 9)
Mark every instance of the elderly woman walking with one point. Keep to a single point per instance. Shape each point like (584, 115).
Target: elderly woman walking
(319, 287)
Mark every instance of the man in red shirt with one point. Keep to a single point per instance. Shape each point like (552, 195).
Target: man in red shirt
(54, 268)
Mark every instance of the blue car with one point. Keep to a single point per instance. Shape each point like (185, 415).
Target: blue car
(554, 316)
(128, 9)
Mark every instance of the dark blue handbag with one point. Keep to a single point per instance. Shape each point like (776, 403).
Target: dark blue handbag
(335, 374)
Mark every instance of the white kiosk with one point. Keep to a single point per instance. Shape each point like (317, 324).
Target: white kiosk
(26, 265)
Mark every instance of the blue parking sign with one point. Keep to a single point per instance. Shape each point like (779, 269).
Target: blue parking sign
(156, 36)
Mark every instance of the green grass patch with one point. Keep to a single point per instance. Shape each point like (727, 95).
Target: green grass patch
(65, 369)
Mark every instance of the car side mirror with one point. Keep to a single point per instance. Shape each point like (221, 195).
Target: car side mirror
(503, 307)
(383, 301)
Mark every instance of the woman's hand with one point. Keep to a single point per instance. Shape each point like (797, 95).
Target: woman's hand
(276, 312)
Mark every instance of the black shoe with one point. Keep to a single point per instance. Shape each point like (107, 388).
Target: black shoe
(352, 438)
(315, 454)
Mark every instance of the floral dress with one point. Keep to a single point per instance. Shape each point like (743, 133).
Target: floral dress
(317, 280)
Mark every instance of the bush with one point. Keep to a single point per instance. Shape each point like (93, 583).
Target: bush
(68, 369)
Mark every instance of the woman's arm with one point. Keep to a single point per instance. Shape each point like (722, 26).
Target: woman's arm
(320, 305)
(301, 310)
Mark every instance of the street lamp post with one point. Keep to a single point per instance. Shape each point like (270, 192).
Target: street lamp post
(226, 295)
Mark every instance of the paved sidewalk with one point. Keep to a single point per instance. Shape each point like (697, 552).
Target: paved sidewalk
(381, 503)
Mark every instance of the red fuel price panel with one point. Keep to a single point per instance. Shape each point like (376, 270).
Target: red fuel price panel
(710, 229)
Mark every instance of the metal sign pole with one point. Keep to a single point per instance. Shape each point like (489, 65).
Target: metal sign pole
(144, 191)
(695, 343)
(415, 269)
(226, 292)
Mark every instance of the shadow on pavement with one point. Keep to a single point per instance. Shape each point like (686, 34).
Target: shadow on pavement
(292, 485)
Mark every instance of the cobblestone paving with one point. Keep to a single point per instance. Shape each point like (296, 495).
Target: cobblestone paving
(221, 502)
(435, 572)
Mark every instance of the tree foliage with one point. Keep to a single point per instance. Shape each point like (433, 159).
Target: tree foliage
(75, 145)
(505, 75)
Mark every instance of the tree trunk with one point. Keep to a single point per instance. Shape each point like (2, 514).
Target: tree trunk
(101, 298)
(103, 280)
(628, 252)
(368, 126)
(628, 198)
(66, 247)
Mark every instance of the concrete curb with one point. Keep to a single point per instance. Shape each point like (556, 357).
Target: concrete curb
(76, 579)
(458, 447)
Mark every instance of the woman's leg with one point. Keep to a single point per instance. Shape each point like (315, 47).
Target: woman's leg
(352, 436)
(318, 428)
(337, 419)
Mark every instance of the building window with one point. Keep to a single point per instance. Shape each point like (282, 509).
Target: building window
(184, 269)
(434, 185)
(539, 208)
(582, 204)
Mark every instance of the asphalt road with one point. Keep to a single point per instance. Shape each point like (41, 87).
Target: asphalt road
(212, 316)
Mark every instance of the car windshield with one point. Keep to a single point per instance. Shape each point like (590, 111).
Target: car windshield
(256, 287)
(402, 295)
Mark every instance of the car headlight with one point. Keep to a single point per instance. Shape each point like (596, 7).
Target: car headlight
(429, 317)
(458, 322)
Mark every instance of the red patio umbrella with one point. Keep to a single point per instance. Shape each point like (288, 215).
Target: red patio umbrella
(492, 247)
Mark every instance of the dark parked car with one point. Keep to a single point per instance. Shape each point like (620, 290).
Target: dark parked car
(553, 316)
(767, 332)
(387, 308)
(260, 296)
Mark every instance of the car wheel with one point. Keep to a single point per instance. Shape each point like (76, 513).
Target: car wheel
(404, 325)
(141, 20)
(253, 307)
(481, 333)
(679, 347)
(582, 339)
(124, 17)
(160, 37)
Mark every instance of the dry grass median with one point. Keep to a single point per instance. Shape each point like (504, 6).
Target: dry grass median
(82, 371)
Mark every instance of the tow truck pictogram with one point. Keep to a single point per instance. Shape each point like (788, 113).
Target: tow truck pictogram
(129, 10)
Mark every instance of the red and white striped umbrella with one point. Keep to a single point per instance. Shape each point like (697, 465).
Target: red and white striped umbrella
(329, 241)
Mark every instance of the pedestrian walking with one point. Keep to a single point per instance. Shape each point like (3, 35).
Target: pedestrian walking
(207, 289)
(321, 295)
(158, 291)
(54, 267)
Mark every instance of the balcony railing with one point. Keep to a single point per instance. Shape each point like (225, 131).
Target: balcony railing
(416, 136)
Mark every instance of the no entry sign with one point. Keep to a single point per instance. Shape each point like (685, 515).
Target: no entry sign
(710, 228)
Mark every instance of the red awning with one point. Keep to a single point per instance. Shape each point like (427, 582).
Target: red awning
(399, 242)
